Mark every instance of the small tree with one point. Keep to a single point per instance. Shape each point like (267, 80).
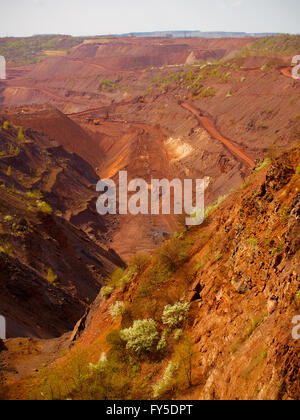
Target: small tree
(183, 358)
(173, 254)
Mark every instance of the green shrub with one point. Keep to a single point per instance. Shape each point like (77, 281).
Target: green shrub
(44, 207)
(178, 333)
(117, 310)
(6, 248)
(213, 207)
(252, 242)
(208, 92)
(278, 249)
(51, 276)
(263, 165)
(5, 125)
(162, 344)
(141, 336)
(173, 254)
(106, 84)
(225, 77)
(119, 278)
(140, 262)
(20, 133)
(34, 194)
(106, 291)
(284, 214)
(174, 315)
(246, 184)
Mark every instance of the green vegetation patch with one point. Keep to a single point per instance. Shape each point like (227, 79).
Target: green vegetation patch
(278, 45)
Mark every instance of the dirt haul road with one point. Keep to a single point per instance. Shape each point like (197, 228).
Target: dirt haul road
(286, 71)
(209, 127)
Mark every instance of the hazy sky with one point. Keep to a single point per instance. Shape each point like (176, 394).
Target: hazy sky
(95, 17)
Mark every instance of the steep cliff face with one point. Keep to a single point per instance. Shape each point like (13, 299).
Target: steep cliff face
(238, 273)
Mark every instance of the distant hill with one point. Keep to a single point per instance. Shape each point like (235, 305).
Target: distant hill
(197, 34)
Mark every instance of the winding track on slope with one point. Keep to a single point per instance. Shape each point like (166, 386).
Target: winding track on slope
(211, 129)
(286, 71)
(47, 92)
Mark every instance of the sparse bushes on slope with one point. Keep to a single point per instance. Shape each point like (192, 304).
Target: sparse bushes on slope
(140, 262)
(106, 291)
(141, 336)
(119, 278)
(174, 315)
(279, 45)
(44, 207)
(208, 92)
(213, 207)
(173, 254)
(117, 310)
(106, 84)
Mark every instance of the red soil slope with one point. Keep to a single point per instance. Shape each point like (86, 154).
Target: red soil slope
(56, 125)
(207, 124)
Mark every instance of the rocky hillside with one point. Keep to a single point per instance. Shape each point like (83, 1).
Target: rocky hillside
(53, 252)
(207, 316)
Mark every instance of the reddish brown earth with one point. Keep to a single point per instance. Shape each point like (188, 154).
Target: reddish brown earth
(286, 71)
(206, 123)
(70, 238)
(50, 121)
(143, 121)
(109, 134)
(241, 278)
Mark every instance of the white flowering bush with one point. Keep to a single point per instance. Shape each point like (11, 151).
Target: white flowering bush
(165, 383)
(141, 336)
(117, 310)
(174, 315)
